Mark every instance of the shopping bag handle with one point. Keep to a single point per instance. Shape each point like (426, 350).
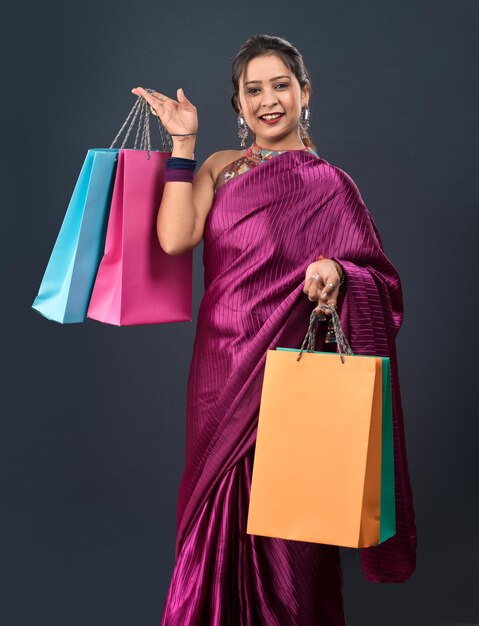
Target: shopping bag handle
(143, 138)
(310, 337)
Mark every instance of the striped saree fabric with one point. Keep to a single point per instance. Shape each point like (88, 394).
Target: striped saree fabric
(264, 228)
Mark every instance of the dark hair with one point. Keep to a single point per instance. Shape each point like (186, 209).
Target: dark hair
(259, 45)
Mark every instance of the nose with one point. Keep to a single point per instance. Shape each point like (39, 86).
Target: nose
(269, 99)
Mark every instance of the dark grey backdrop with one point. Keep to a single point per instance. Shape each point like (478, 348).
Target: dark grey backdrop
(93, 420)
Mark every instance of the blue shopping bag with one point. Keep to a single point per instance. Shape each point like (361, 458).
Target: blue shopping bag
(68, 281)
(67, 286)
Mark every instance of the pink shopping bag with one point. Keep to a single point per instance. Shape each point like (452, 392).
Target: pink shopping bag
(137, 282)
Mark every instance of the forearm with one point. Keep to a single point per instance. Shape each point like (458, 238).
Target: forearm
(176, 215)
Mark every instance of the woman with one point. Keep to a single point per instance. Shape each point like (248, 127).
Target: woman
(279, 223)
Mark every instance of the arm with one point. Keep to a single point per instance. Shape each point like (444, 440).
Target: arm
(184, 205)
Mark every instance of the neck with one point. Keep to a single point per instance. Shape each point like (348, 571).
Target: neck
(276, 148)
(291, 143)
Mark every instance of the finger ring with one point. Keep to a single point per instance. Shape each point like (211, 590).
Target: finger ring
(315, 276)
(329, 285)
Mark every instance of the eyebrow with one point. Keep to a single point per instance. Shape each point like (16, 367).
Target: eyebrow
(275, 78)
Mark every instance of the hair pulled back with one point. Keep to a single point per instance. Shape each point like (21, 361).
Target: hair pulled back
(260, 45)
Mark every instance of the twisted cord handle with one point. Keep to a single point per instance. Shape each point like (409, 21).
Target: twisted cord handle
(310, 338)
(146, 129)
(139, 143)
(132, 114)
(166, 139)
(165, 136)
(141, 108)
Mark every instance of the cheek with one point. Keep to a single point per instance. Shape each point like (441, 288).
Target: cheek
(250, 112)
(292, 103)
(294, 107)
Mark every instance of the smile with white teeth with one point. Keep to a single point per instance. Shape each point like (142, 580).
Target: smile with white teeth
(271, 116)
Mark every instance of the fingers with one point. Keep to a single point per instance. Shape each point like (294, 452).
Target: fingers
(324, 291)
(155, 100)
(312, 289)
(312, 286)
(329, 296)
(181, 96)
(183, 100)
(329, 293)
(140, 91)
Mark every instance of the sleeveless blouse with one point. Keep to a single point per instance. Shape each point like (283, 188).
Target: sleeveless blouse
(254, 155)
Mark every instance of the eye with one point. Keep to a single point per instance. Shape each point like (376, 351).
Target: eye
(254, 89)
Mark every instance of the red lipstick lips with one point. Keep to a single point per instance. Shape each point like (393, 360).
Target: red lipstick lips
(272, 121)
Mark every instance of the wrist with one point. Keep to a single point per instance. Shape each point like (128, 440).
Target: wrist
(180, 169)
(183, 147)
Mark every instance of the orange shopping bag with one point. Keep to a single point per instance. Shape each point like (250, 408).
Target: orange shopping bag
(317, 466)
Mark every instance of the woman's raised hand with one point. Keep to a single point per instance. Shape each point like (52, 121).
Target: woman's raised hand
(178, 117)
(319, 277)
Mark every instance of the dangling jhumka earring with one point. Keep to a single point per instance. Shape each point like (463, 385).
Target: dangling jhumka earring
(242, 129)
(304, 120)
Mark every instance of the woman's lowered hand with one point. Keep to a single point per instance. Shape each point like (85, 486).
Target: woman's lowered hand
(321, 283)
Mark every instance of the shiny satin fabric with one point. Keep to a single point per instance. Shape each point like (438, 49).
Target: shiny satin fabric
(264, 228)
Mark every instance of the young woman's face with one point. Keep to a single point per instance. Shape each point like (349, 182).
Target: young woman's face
(269, 86)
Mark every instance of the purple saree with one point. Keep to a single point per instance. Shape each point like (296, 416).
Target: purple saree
(265, 226)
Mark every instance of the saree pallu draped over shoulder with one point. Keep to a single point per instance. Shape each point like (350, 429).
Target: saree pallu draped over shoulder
(264, 228)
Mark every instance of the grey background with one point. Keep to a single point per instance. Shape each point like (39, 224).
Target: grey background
(93, 418)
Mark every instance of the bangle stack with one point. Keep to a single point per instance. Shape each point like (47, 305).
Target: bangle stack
(180, 169)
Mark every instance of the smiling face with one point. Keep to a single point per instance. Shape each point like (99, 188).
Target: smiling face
(269, 86)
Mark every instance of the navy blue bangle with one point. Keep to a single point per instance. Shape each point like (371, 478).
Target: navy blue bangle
(180, 163)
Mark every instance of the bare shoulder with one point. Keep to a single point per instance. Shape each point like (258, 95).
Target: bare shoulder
(218, 160)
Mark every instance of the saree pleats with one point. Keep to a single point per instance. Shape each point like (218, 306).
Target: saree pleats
(224, 576)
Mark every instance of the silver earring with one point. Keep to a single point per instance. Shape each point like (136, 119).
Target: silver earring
(242, 129)
(304, 120)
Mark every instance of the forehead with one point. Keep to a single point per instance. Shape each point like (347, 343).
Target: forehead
(265, 67)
